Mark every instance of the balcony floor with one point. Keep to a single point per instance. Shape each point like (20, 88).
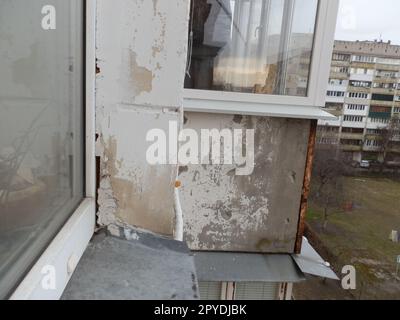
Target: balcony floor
(148, 268)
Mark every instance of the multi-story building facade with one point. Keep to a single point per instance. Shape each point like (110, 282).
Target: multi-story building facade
(364, 93)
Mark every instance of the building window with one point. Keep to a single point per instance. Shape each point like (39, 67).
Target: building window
(373, 143)
(361, 71)
(251, 46)
(335, 94)
(360, 84)
(41, 130)
(353, 130)
(340, 70)
(382, 97)
(358, 95)
(348, 118)
(351, 142)
(385, 85)
(337, 82)
(340, 57)
(356, 107)
(364, 59)
(386, 74)
(374, 131)
(380, 120)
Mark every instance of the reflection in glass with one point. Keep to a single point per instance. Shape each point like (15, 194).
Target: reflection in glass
(252, 46)
(41, 129)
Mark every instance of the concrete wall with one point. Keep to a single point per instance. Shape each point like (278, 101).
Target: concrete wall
(141, 53)
(256, 213)
(141, 59)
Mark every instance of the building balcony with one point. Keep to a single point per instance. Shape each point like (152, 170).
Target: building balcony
(362, 77)
(383, 90)
(332, 99)
(359, 89)
(350, 148)
(337, 87)
(388, 67)
(337, 63)
(363, 113)
(380, 115)
(352, 124)
(339, 75)
(382, 103)
(352, 136)
(382, 79)
(370, 136)
(362, 65)
(371, 148)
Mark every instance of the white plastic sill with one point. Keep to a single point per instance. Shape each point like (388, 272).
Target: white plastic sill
(256, 109)
(63, 255)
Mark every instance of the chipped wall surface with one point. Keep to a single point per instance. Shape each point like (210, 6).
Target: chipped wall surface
(141, 56)
(256, 213)
(141, 59)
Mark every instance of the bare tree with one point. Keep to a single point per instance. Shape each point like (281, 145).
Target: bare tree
(327, 189)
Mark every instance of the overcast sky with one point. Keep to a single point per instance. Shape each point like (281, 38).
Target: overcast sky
(369, 20)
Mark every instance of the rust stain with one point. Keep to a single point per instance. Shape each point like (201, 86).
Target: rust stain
(306, 186)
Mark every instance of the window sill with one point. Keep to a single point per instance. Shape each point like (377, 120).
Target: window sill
(63, 254)
(256, 109)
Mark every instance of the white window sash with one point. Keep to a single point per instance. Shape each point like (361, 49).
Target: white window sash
(67, 248)
(279, 105)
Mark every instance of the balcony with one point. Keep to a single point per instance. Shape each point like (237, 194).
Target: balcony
(339, 63)
(363, 65)
(384, 79)
(390, 91)
(382, 103)
(339, 75)
(350, 148)
(352, 136)
(359, 89)
(362, 77)
(371, 148)
(388, 67)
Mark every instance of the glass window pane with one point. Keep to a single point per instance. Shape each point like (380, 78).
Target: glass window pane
(41, 128)
(251, 46)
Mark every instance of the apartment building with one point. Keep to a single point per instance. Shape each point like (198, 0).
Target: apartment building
(364, 93)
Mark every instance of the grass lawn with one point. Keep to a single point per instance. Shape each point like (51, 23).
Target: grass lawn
(361, 237)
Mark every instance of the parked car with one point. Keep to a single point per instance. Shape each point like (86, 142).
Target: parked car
(365, 164)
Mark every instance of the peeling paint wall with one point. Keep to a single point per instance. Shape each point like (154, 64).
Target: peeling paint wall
(256, 213)
(141, 56)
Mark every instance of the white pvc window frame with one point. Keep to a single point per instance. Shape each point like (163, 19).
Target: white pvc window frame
(280, 105)
(67, 248)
